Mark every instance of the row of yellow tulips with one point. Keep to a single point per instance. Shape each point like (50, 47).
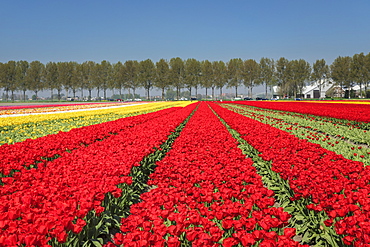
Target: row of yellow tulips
(20, 128)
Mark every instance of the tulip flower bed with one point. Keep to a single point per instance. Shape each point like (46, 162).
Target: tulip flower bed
(354, 112)
(206, 193)
(22, 109)
(20, 128)
(37, 152)
(53, 201)
(333, 184)
(347, 140)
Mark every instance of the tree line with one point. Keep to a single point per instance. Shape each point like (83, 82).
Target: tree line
(290, 75)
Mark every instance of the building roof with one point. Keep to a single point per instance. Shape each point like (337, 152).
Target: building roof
(325, 85)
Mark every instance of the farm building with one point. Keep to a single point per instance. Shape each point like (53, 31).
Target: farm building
(313, 91)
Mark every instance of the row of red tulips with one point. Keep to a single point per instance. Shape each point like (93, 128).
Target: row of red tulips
(20, 156)
(354, 112)
(336, 185)
(346, 140)
(206, 193)
(40, 204)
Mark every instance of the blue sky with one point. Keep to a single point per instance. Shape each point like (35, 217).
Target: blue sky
(113, 30)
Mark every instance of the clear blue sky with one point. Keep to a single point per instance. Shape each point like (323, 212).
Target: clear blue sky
(120, 30)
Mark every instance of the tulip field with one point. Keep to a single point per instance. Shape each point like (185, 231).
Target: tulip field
(256, 173)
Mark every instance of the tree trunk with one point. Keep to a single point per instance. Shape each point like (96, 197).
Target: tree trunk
(366, 89)
(236, 91)
(24, 95)
(162, 93)
(213, 93)
(266, 90)
(147, 93)
(206, 92)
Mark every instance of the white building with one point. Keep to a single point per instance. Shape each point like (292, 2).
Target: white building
(313, 91)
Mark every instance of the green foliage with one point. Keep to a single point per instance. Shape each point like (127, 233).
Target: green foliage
(234, 73)
(341, 71)
(192, 73)
(162, 77)
(146, 75)
(177, 74)
(251, 74)
(290, 76)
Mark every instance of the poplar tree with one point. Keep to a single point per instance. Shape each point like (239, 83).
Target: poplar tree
(192, 73)
(119, 77)
(88, 77)
(220, 76)
(131, 75)
(2, 75)
(301, 74)
(367, 68)
(207, 76)
(76, 78)
(177, 70)
(162, 76)
(234, 73)
(267, 73)
(105, 71)
(97, 79)
(35, 77)
(282, 75)
(64, 77)
(359, 72)
(21, 72)
(250, 74)
(9, 78)
(51, 77)
(320, 73)
(146, 75)
(341, 72)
